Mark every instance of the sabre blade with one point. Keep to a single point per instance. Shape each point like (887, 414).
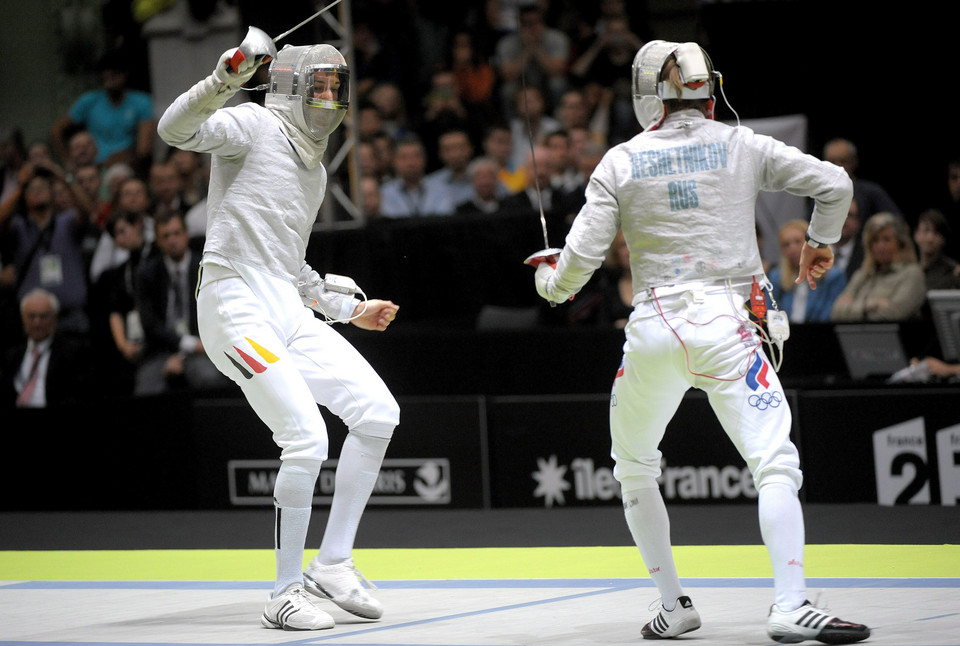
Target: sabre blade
(319, 13)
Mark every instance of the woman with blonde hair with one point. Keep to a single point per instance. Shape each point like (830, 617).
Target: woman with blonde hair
(802, 304)
(889, 285)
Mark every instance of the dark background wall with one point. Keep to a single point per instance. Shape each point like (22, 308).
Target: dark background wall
(873, 73)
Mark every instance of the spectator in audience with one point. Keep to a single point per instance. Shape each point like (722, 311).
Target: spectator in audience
(40, 154)
(132, 195)
(117, 290)
(949, 206)
(67, 196)
(386, 148)
(194, 175)
(608, 62)
(120, 118)
(372, 63)
(368, 164)
(165, 190)
(443, 111)
(173, 356)
(535, 55)
(537, 193)
(889, 285)
(599, 100)
(570, 201)
(802, 304)
(848, 251)
(450, 185)
(486, 189)
(606, 299)
(571, 111)
(81, 151)
(497, 144)
(369, 122)
(370, 197)
(13, 155)
(113, 178)
(870, 196)
(47, 369)
(406, 194)
(88, 179)
(476, 78)
(44, 248)
(933, 231)
(574, 116)
(531, 122)
(389, 101)
(564, 175)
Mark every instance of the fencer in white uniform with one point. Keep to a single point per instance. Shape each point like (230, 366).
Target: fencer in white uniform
(254, 304)
(684, 191)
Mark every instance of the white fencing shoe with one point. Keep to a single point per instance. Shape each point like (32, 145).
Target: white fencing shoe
(809, 622)
(295, 610)
(670, 623)
(341, 584)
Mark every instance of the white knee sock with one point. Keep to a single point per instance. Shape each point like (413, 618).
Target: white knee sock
(781, 526)
(650, 527)
(357, 472)
(293, 498)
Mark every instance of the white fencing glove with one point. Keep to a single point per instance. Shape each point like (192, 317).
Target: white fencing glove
(545, 272)
(334, 302)
(210, 94)
(188, 112)
(246, 68)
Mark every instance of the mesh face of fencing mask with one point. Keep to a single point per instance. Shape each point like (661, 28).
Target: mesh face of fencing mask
(311, 86)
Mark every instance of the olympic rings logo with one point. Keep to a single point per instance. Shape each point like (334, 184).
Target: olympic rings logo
(764, 401)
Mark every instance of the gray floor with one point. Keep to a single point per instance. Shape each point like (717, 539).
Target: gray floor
(919, 612)
(442, 613)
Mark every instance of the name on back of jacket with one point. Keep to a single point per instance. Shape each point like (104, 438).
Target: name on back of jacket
(676, 161)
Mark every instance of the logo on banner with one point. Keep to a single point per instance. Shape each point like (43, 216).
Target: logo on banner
(416, 481)
(904, 468)
(685, 482)
(590, 482)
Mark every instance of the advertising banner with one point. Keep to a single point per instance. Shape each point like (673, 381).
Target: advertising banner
(548, 452)
(437, 456)
(892, 446)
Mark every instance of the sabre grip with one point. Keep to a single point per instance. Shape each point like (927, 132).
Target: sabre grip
(237, 59)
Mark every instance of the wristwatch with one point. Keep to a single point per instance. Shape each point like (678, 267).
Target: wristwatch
(813, 243)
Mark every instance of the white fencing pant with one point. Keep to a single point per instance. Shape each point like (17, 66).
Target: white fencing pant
(698, 338)
(286, 361)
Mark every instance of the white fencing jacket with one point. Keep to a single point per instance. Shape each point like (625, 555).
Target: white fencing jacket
(685, 196)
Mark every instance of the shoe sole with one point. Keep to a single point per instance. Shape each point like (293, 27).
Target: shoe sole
(266, 622)
(684, 627)
(827, 635)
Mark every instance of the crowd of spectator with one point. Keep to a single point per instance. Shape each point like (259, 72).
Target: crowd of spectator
(508, 108)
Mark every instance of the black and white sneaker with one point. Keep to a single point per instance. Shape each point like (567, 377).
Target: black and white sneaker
(294, 610)
(809, 622)
(342, 584)
(670, 623)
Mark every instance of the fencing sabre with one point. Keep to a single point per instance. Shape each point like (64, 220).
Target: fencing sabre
(548, 254)
(259, 46)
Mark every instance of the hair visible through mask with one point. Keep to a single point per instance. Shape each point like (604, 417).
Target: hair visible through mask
(671, 74)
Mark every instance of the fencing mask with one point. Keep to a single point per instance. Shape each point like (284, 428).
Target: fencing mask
(311, 85)
(649, 92)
